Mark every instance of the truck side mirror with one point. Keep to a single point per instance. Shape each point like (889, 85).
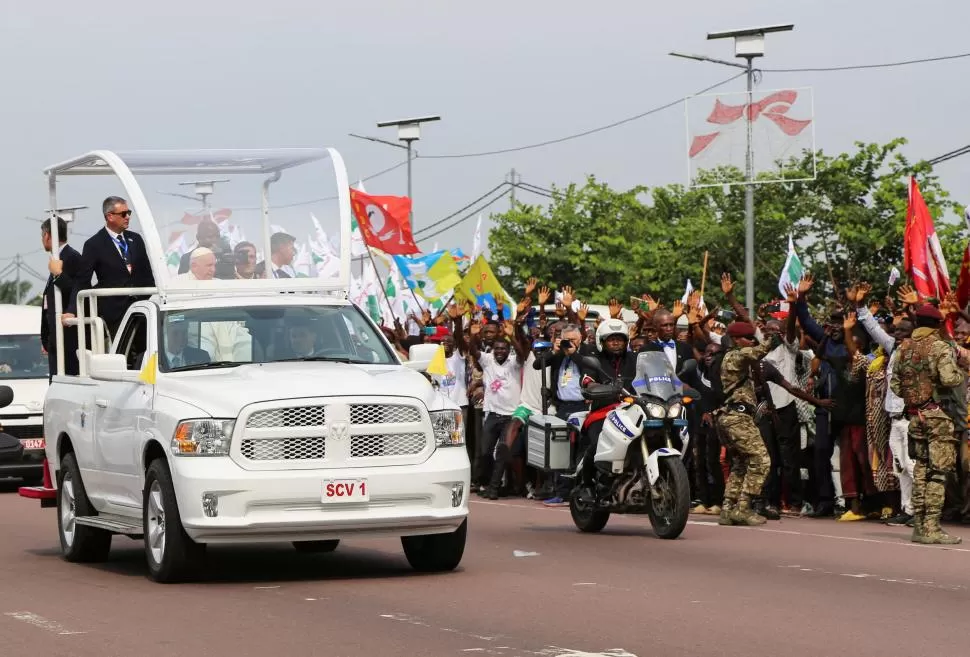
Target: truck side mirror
(108, 367)
(6, 396)
(420, 356)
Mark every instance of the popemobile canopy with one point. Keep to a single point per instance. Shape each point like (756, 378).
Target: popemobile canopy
(132, 166)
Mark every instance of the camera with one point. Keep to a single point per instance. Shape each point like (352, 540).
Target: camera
(225, 261)
(565, 344)
(541, 348)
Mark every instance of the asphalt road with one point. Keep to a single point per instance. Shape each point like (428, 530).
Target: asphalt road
(529, 585)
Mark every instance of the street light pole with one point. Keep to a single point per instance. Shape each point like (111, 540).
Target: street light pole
(408, 131)
(748, 43)
(749, 199)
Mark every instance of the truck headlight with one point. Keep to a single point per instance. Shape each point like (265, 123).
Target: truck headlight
(449, 428)
(202, 437)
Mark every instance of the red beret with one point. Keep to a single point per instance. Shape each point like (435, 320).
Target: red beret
(929, 311)
(741, 330)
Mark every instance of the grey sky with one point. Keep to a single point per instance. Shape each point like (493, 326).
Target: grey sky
(236, 74)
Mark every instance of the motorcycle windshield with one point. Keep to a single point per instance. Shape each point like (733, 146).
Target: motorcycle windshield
(656, 376)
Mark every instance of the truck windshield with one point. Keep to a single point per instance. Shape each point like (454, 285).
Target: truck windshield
(213, 337)
(21, 357)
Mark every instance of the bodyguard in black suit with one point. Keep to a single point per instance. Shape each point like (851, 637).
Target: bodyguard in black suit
(63, 268)
(119, 259)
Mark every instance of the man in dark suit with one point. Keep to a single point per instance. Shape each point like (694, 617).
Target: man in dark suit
(178, 353)
(282, 251)
(119, 259)
(63, 269)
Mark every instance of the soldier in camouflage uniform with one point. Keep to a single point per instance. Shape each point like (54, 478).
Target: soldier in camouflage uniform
(735, 422)
(926, 369)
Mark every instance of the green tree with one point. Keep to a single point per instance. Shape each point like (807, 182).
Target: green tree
(8, 291)
(848, 223)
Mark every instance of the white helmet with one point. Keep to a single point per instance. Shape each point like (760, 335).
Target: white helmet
(611, 327)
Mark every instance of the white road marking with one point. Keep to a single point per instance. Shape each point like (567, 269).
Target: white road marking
(903, 542)
(493, 649)
(39, 621)
(265, 588)
(888, 580)
(521, 553)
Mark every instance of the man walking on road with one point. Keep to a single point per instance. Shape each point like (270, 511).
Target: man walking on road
(926, 369)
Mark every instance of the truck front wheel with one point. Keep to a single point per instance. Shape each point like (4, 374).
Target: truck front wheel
(172, 556)
(79, 543)
(434, 553)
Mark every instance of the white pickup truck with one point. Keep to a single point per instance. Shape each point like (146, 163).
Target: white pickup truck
(264, 411)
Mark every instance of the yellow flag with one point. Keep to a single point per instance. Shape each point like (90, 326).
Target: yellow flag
(438, 364)
(147, 374)
(480, 285)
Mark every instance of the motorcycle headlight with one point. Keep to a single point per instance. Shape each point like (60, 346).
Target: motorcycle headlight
(449, 428)
(675, 409)
(202, 437)
(656, 411)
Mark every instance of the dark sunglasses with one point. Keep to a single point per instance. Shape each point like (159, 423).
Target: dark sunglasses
(126, 213)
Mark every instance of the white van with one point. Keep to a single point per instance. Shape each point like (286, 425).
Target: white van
(23, 367)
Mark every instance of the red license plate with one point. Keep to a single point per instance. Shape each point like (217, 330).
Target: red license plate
(33, 443)
(345, 490)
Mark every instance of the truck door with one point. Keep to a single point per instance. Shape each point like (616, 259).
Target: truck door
(124, 409)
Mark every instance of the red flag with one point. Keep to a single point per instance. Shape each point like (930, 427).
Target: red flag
(963, 283)
(922, 254)
(384, 222)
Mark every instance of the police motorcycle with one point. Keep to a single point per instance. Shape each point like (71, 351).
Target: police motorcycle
(639, 455)
(11, 449)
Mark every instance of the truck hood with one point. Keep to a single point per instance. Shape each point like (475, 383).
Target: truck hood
(224, 392)
(28, 396)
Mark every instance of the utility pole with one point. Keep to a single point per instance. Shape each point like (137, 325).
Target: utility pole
(17, 260)
(514, 179)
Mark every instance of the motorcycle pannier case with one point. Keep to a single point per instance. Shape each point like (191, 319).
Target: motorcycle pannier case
(548, 446)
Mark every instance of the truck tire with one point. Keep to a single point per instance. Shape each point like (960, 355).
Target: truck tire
(172, 556)
(436, 553)
(316, 546)
(79, 543)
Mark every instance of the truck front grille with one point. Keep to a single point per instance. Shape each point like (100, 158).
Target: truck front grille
(332, 433)
(22, 431)
(311, 448)
(392, 444)
(308, 416)
(383, 414)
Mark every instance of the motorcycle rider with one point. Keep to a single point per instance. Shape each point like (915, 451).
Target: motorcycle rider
(617, 362)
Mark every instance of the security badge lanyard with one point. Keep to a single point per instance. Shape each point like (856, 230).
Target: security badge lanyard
(123, 249)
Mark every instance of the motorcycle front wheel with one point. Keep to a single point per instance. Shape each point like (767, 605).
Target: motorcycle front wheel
(668, 514)
(587, 517)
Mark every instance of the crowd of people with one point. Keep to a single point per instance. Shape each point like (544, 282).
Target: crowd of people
(855, 413)
(858, 412)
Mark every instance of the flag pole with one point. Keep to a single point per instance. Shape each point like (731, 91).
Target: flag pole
(444, 307)
(704, 274)
(377, 273)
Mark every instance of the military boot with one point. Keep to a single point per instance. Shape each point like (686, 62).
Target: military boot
(933, 533)
(918, 528)
(727, 513)
(744, 515)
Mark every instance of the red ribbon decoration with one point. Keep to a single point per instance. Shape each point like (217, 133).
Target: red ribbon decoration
(773, 107)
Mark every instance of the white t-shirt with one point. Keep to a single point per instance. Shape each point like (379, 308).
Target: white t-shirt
(503, 384)
(532, 386)
(453, 384)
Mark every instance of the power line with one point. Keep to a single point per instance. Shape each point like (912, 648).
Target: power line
(540, 191)
(462, 209)
(585, 133)
(859, 67)
(468, 216)
(949, 156)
